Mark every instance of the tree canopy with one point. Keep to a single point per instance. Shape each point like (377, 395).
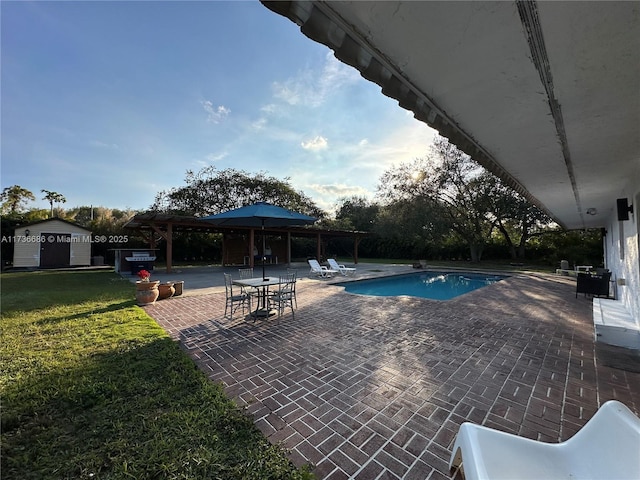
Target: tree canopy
(448, 192)
(53, 197)
(14, 199)
(210, 191)
(439, 207)
(450, 188)
(356, 213)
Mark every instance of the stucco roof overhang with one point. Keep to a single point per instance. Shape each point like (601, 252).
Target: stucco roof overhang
(546, 95)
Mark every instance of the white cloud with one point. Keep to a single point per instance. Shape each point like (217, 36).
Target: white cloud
(401, 145)
(209, 159)
(326, 195)
(311, 89)
(317, 143)
(259, 124)
(270, 108)
(215, 114)
(100, 144)
(335, 74)
(339, 190)
(216, 157)
(290, 92)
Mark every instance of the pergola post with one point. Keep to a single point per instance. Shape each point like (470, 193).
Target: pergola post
(356, 242)
(252, 239)
(168, 237)
(319, 246)
(224, 249)
(169, 246)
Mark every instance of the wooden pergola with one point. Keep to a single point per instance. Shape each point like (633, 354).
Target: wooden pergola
(150, 224)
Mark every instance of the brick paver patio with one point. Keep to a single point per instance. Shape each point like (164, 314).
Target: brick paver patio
(376, 388)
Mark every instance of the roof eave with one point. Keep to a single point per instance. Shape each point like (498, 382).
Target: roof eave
(319, 22)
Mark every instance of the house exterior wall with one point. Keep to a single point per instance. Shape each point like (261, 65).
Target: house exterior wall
(26, 253)
(622, 251)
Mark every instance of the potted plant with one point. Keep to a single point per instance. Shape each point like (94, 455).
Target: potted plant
(146, 291)
(166, 290)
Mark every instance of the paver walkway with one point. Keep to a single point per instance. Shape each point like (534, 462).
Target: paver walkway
(376, 388)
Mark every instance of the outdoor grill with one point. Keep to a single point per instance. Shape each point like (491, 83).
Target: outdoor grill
(140, 261)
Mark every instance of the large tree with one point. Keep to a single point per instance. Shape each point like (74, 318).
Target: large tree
(410, 228)
(14, 199)
(448, 190)
(210, 191)
(53, 197)
(517, 219)
(455, 190)
(356, 213)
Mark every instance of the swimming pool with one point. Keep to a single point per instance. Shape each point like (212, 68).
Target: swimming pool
(433, 285)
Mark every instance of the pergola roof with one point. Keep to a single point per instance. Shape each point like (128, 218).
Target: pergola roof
(150, 221)
(167, 224)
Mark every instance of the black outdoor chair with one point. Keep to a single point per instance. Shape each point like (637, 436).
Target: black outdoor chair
(596, 285)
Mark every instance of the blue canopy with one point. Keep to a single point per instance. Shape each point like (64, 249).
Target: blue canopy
(260, 214)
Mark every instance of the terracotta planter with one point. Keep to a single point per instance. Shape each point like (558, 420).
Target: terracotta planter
(147, 292)
(178, 287)
(166, 290)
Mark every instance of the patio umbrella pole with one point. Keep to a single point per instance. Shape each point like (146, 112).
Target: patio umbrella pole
(263, 250)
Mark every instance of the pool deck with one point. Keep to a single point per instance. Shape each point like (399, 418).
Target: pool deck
(376, 387)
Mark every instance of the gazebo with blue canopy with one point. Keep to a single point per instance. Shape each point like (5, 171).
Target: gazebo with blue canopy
(261, 215)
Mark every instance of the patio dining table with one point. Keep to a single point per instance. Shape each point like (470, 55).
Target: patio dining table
(262, 285)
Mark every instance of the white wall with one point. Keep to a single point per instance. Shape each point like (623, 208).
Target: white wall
(622, 251)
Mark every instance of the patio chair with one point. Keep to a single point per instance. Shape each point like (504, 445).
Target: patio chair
(606, 447)
(320, 270)
(244, 274)
(234, 300)
(596, 285)
(283, 297)
(346, 271)
(295, 273)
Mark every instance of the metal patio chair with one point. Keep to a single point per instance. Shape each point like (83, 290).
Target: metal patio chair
(235, 300)
(284, 296)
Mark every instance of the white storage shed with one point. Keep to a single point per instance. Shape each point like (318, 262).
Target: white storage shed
(52, 243)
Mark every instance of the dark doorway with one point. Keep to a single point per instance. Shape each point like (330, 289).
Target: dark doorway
(55, 250)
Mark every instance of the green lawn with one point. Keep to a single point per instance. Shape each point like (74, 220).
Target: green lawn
(92, 387)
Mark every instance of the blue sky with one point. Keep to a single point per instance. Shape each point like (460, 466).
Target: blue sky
(109, 103)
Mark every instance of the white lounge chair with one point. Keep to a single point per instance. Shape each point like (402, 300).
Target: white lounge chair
(346, 271)
(608, 446)
(320, 270)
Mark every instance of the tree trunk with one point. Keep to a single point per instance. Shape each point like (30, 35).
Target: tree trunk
(476, 252)
(507, 238)
(522, 245)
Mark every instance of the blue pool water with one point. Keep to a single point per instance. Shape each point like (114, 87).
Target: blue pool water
(433, 285)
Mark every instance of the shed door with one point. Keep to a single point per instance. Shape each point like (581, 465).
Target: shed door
(55, 250)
